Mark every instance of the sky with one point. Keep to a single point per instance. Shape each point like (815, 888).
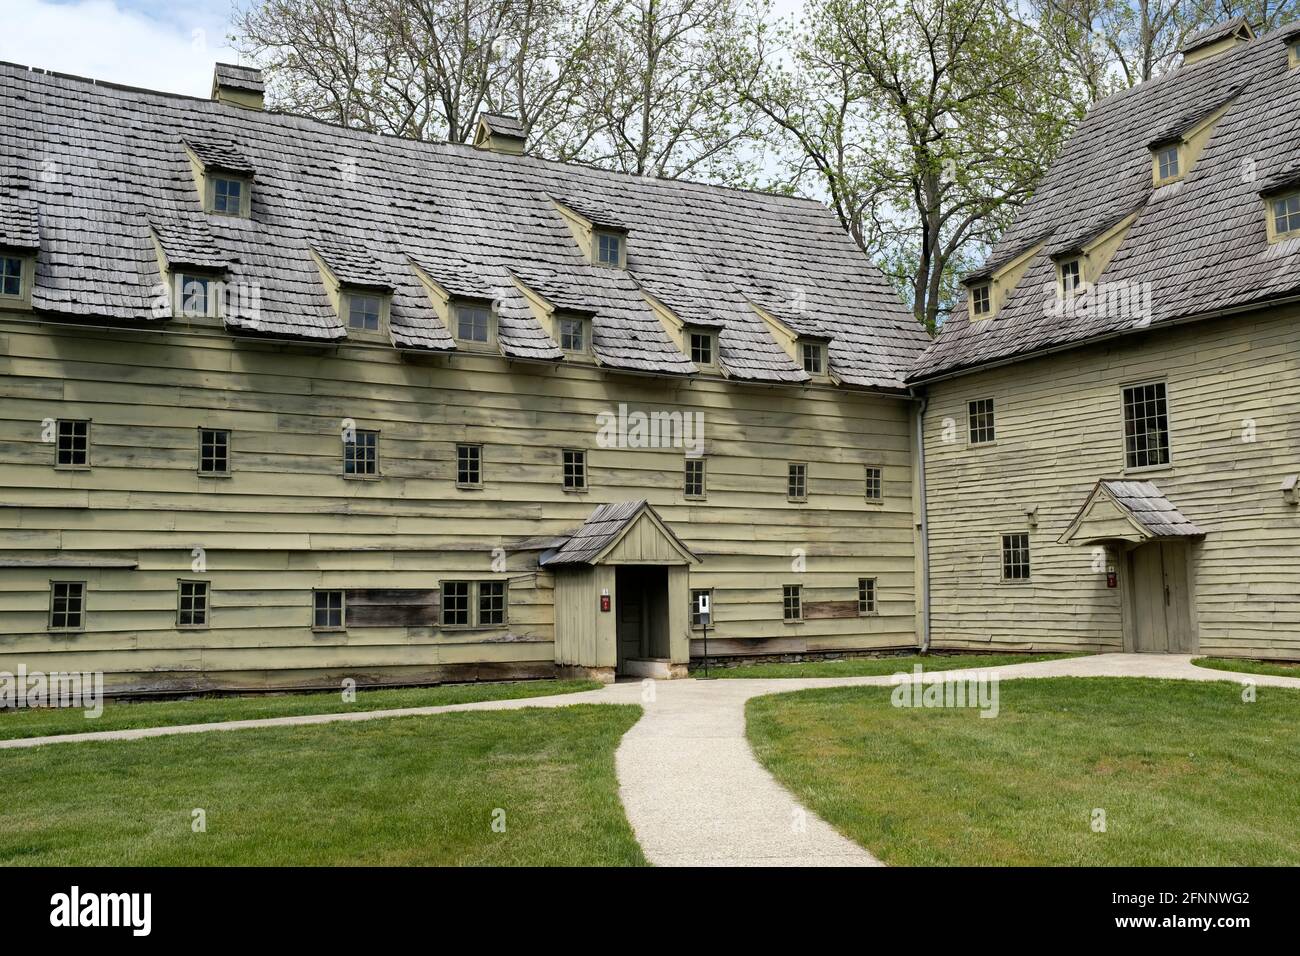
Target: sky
(167, 45)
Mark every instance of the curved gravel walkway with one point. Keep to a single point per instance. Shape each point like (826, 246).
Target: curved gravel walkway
(693, 791)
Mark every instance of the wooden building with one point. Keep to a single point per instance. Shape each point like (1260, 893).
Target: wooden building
(1112, 427)
(283, 403)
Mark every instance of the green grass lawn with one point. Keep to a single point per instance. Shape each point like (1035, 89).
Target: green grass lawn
(124, 715)
(876, 666)
(1240, 666)
(404, 791)
(1187, 773)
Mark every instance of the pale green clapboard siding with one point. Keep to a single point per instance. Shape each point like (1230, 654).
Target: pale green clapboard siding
(287, 521)
(1060, 429)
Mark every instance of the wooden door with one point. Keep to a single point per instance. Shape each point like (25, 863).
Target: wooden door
(631, 618)
(1161, 599)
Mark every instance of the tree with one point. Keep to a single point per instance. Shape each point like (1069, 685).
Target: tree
(926, 124)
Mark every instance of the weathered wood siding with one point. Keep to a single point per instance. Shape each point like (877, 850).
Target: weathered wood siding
(1234, 406)
(286, 521)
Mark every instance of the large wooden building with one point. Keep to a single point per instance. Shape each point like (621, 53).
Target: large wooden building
(1112, 428)
(283, 403)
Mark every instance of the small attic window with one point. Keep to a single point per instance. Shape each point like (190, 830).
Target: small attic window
(12, 277)
(814, 358)
(1071, 276)
(1283, 216)
(1293, 52)
(227, 196)
(1167, 162)
(365, 311)
(574, 334)
(474, 326)
(981, 300)
(704, 348)
(609, 249)
(197, 296)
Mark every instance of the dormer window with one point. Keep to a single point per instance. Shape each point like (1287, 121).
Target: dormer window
(1293, 52)
(227, 196)
(365, 311)
(609, 249)
(197, 296)
(981, 300)
(704, 349)
(12, 284)
(474, 325)
(1168, 163)
(573, 334)
(1071, 276)
(814, 358)
(1285, 216)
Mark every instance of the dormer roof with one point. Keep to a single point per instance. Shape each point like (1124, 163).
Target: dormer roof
(219, 154)
(19, 223)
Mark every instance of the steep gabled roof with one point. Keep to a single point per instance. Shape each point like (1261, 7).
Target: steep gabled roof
(119, 164)
(1133, 511)
(605, 527)
(1196, 247)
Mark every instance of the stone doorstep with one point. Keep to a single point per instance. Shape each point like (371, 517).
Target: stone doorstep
(660, 668)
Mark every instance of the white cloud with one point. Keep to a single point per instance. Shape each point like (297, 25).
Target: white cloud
(171, 47)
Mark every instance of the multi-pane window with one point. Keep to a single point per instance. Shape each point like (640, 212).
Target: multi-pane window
(192, 604)
(693, 486)
(214, 451)
(364, 312)
(866, 595)
(72, 446)
(67, 605)
(1071, 278)
(1146, 425)
(699, 597)
(1167, 162)
(473, 603)
(574, 463)
(361, 454)
(980, 421)
(792, 602)
(573, 335)
(875, 483)
(195, 295)
(469, 466)
(980, 300)
(609, 249)
(11, 276)
(701, 348)
(814, 360)
(1286, 214)
(1015, 557)
(328, 612)
(796, 481)
(473, 323)
(227, 196)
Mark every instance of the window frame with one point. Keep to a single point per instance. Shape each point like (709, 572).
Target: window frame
(1130, 443)
(868, 594)
(327, 628)
(26, 269)
(474, 596)
(205, 473)
(477, 465)
(699, 462)
(879, 482)
(792, 597)
(694, 609)
(989, 422)
(486, 344)
(58, 445)
(579, 466)
(1271, 203)
(816, 350)
(1158, 166)
(181, 584)
(708, 342)
(799, 469)
(83, 612)
(1007, 552)
(212, 177)
(212, 295)
(599, 239)
(1066, 269)
(976, 300)
(367, 475)
(584, 330)
(353, 297)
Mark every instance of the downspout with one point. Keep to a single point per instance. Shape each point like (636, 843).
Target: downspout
(924, 528)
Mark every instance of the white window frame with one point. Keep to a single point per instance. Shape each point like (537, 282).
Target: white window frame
(702, 463)
(990, 427)
(1168, 445)
(599, 239)
(208, 473)
(181, 609)
(975, 300)
(792, 596)
(365, 475)
(343, 610)
(868, 586)
(58, 444)
(1006, 549)
(1159, 166)
(471, 343)
(474, 607)
(84, 599)
(580, 465)
(478, 465)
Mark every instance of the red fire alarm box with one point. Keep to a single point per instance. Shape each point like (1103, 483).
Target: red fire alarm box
(1112, 577)
(604, 602)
